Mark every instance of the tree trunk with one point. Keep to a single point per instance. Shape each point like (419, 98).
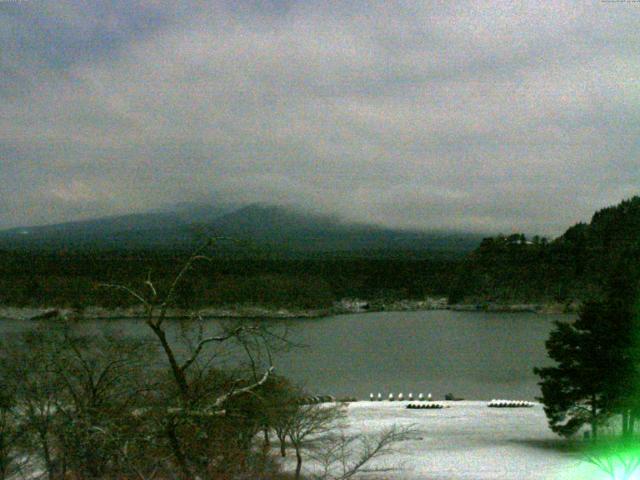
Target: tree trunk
(298, 463)
(177, 451)
(283, 443)
(625, 424)
(46, 453)
(178, 373)
(4, 459)
(63, 467)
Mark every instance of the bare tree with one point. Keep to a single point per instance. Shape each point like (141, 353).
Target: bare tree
(307, 423)
(37, 388)
(12, 433)
(340, 457)
(70, 387)
(318, 432)
(202, 391)
(104, 378)
(156, 307)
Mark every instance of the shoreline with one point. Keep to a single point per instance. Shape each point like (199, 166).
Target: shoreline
(344, 307)
(467, 440)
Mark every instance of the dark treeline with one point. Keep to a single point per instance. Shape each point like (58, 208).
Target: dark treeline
(72, 279)
(575, 266)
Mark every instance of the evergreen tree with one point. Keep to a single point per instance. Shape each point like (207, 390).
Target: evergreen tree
(598, 359)
(573, 391)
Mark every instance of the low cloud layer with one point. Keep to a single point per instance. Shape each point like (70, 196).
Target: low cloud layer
(438, 115)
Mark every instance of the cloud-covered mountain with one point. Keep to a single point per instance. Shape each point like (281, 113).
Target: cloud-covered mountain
(257, 226)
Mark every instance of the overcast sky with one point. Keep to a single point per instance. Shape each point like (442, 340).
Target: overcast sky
(486, 116)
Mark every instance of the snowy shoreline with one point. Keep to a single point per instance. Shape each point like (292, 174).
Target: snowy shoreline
(468, 440)
(343, 307)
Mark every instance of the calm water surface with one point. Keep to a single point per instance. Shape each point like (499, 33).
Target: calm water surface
(472, 355)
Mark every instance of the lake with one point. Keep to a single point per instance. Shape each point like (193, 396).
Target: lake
(470, 354)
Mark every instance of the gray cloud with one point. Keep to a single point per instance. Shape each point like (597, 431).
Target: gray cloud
(430, 115)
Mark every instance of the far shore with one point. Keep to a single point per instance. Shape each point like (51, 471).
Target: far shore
(343, 307)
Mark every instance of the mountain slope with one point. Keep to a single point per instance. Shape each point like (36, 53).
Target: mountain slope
(168, 228)
(273, 228)
(291, 229)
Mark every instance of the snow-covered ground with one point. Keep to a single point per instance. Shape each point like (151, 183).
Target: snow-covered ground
(469, 440)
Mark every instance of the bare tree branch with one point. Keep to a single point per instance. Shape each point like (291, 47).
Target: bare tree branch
(234, 393)
(205, 341)
(149, 283)
(341, 457)
(187, 266)
(128, 290)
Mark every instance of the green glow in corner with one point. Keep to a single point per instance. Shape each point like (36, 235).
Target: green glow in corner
(611, 461)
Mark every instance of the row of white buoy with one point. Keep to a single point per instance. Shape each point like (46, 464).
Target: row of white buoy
(391, 397)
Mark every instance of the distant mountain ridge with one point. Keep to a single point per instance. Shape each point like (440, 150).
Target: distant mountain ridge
(265, 226)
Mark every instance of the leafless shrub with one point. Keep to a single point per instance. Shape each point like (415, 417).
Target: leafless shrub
(12, 435)
(340, 456)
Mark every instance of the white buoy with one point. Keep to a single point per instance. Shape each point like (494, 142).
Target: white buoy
(400, 396)
(429, 398)
(410, 396)
(391, 397)
(371, 397)
(420, 397)
(379, 397)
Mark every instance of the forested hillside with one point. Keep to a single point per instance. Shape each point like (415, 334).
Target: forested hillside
(572, 267)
